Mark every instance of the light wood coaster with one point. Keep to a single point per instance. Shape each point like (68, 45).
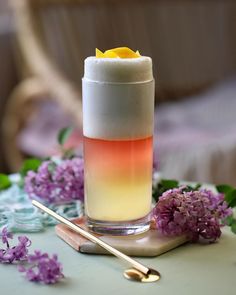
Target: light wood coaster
(150, 243)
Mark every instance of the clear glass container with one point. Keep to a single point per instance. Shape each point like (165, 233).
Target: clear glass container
(118, 111)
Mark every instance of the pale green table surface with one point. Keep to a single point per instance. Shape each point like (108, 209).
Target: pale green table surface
(190, 269)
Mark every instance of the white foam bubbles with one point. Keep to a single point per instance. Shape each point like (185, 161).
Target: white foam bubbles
(118, 98)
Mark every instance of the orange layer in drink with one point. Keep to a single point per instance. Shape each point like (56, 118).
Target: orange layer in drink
(118, 178)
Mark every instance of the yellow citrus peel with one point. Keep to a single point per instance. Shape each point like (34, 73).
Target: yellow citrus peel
(119, 52)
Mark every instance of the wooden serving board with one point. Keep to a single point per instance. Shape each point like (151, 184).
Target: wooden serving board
(150, 243)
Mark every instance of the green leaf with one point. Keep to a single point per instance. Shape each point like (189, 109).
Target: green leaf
(162, 186)
(64, 134)
(169, 183)
(197, 187)
(229, 220)
(31, 164)
(155, 192)
(68, 153)
(190, 188)
(230, 197)
(5, 182)
(224, 188)
(233, 226)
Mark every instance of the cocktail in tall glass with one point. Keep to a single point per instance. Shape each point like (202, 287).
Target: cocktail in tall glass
(118, 108)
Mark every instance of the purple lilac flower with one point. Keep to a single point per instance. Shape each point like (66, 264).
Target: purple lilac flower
(198, 214)
(15, 253)
(43, 268)
(5, 235)
(57, 183)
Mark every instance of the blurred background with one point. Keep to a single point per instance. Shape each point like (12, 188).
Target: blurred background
(193, 46)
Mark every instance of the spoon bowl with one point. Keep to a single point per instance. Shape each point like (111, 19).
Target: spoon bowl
(135, 275)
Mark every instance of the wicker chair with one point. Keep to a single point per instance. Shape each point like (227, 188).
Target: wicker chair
(54, 37)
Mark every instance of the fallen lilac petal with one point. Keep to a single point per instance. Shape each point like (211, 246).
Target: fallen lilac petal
(21, 268)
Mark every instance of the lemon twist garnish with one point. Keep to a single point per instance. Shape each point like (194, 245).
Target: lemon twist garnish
(119, 52)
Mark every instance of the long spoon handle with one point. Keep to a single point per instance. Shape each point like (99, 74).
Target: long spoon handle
(92, 238)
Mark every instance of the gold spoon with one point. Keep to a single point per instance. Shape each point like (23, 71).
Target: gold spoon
(138, 272)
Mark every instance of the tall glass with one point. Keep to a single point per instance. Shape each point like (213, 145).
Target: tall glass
(118, 111)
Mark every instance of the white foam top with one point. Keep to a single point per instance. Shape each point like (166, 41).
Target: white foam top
(118, 70)
(118, 98)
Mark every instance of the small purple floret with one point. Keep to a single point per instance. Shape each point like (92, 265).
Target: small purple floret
(5, 235)
(15, 253)
(43, 269)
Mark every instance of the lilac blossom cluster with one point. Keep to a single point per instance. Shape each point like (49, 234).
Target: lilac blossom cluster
(57, 183)
(15, 253)
(42, 268)
(198, 214)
